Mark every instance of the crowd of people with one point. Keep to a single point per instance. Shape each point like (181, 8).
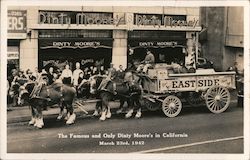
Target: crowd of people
(75, 77)
(67, 76)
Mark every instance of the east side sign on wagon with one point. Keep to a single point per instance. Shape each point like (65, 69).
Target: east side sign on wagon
(195, 83)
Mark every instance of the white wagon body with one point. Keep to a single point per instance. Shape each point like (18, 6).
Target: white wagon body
(168, 88)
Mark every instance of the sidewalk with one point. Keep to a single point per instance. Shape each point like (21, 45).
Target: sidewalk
(23, 114)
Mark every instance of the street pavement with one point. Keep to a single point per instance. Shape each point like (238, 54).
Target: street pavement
(195, 130)
(23, 113)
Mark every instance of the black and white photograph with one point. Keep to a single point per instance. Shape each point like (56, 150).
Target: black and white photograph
(124, 81)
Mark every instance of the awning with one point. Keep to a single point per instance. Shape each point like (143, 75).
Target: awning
(74, 43)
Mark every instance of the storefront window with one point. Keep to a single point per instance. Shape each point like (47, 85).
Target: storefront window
(12, 57)
(167, 46)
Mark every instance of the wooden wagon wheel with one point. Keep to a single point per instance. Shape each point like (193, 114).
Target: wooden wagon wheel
(217, 99)
(171, 106)
(194, 99)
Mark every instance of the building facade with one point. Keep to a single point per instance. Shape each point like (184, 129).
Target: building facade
(222, 39)
(95, 34)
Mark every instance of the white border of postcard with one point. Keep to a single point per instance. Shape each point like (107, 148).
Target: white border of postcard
(3, 66)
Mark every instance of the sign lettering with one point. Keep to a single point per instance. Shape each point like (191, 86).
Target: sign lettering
(164, 21)
(193, 83)
(75, 44)
(12, 55)
(45, 44)
(49, 17)
(154, 43)
(17, 21)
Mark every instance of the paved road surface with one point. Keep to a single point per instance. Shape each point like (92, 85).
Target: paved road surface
(201, 131)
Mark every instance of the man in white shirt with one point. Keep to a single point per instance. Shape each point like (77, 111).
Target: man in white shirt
(76, 73)
(66, 75)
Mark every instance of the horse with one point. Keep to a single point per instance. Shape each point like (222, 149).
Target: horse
(14, 90)
(126, 91)
(56, 93)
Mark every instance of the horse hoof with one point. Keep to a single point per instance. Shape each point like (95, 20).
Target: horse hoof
(69, 123)
(32, 122)
(138, 115)
(108, 115)
(71, 119)
(39, 126)
(95, 113)
(102, 118)
(66, 118)
(129, 114)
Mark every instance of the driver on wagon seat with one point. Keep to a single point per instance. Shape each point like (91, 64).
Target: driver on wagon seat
(147, 62)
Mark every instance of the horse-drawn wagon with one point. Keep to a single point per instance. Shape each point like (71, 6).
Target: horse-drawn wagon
(167, 90)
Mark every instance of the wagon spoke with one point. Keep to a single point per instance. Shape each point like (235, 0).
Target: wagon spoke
(214, 106)
(212, 103)
(221, 104)
(224, 94)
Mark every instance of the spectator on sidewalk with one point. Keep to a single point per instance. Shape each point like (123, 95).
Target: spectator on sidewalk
(67, 75)
(120, 72)
(76, 73)
(30, 76)
(51, 76)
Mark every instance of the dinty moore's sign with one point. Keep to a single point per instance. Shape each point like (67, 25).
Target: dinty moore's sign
(74, 43)
(99, 18)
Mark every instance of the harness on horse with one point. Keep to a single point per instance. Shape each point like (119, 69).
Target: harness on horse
(37, 90)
